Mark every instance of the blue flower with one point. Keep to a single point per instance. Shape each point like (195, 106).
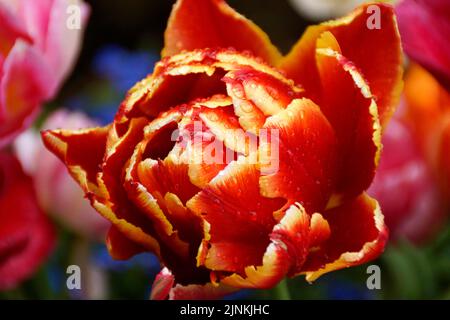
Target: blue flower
(121, 67)
(146, 261)
(346, 290)
(117, 70)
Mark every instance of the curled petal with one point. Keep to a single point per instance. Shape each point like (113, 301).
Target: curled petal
(159, 189)
(285, 255)
(298, 158)
(57, 192)
(168, 175)
(357, 235)
(120, 247)
(72, 146)
(133, 232)
(154, 199)
(272, 269)
(112, 199)
(190, 75)
(224, 125)
(99, 185)
(239, 220)
(350, 107)
(201, 24)
(214, 139)
(256, 95)
(375, 48)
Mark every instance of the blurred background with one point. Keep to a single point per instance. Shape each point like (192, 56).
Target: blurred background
(120, 47)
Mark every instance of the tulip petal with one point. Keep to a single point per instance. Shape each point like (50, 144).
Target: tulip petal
(238, 218)
(223, 124)
(257, 95)
(100, 185)
(201, 24)
(35, 16)
(212, 143)
(188, 76)
(286, 253)
(10, 31)
(73, 146)
(352, 111)
(357, 235)
(47, 23)
(63, 44)
(367, 48)
(112, 199)
(158, 190)
(130, 230)
(153, 203)
(156, 167)
(161, 177)
(120, 247)
(25, 84)
(298, 162)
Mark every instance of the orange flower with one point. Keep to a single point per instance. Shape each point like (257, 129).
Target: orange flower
(428, 113)
(294, 141)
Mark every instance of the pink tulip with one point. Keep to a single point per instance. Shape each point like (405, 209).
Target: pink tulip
(37, 50)
(26, 234)
(425, 26)
(405, 186)
(57, 193)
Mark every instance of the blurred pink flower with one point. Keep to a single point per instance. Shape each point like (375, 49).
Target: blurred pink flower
(425, 26)
(405, 186)
(26, 235)
(57, 192)
(37, 51)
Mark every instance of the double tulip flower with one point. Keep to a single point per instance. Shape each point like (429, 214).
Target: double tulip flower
(231, 224)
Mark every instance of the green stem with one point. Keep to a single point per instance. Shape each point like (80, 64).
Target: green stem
(282, 291)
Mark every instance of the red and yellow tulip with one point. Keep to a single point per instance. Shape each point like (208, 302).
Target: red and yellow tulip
(234, 223)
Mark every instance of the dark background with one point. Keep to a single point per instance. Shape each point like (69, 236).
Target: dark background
(140, 25)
